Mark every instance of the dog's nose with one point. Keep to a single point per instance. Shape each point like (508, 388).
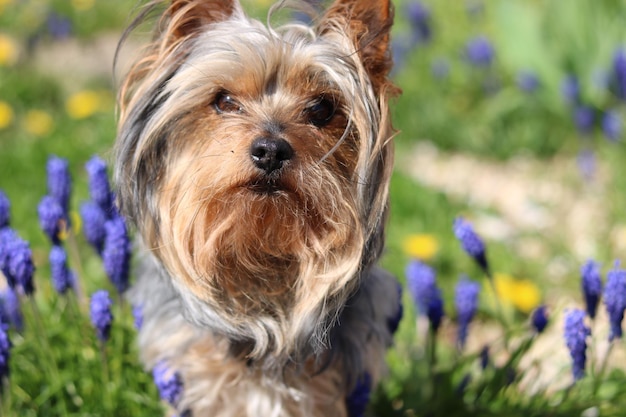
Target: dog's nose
(269, 154)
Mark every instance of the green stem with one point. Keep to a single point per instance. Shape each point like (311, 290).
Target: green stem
(600, 374)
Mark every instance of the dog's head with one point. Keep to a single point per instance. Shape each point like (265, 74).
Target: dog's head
(255, 161)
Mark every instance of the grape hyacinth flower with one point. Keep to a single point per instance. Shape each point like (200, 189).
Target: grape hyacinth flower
(51, 217)
(423, 288)
(539, 318)
(20, 265)
(5, 351)
(93, 224)
(99, 188)
(419, 18)
(466, 303)
(619, 73)
(612, 125)
(584, 119)
(59, 182)
(138, 316)
(472, 244)
(116, 253)
(479, 51)
(5, 206)
(10, 309)
(357, 400)
(62, 277)
(615, 300)
(591, 283)
(168, 383)
(527, 81)
(100, 312)
(7, 236)
(576, 333)
(570, 89)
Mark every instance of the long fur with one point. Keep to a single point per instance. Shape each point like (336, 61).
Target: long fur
(256, 291)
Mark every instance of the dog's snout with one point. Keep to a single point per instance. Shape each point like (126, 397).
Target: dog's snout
(269, 154)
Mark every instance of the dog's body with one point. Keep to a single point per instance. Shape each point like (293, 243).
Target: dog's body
(255, 163)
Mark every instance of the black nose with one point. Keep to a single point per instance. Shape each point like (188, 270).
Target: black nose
(269, 154)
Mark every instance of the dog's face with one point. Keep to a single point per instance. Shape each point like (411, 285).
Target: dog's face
(255, 161)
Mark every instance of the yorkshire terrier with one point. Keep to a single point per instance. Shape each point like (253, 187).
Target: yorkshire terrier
(254, 161)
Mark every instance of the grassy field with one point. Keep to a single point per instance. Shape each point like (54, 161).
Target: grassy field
(502, 81)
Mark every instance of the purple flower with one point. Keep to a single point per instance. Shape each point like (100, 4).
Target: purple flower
(5, 351)
(5, 206)
(99, 188)
(20, 266)
(619, 73)
(93, 224)
(479, 51)
(168, 382)
(472, 244)
(357, 400)
(51, 217)
(426, 295)
(61, 274)
(59, 182)
(615, 300)
(466, 303)
(10, 309)
(570, 89)
(539, 318)
(138, 316)
(116, 253)
(591, 283)
(576, 333)
(101, 316)
(527, 81)
(7, 237)
(612, 125)
(583, 119)
(58, 26)
(419, 18)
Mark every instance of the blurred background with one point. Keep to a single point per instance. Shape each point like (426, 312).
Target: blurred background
(512, 116)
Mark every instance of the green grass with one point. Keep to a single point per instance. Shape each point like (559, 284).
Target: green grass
(57, 366)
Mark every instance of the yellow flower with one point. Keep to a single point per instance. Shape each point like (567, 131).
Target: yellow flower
(87, 102)
(8, 51)
(77, 223)
(82, 5)
(522, 293)
(38, 122)
(421, 246)
(4, 4)
(6, 115)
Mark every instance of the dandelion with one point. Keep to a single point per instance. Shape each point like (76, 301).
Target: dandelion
(423, 288)
(421, 246)
(612, 125)
(83, 104)
(527, 81)
(38, 122)
(99, 188)
(5, 210)
(82, 5)
(539, 318)
(576, 333)
(591, 284)
(357, 400)
(522, 293)
(479, 51)
(60, 273)
(116, 253)
(51, 218)
(10, 309)
(471, 242)
(615, 300)
(6, 115)
(9, 51)
(100, 312)
(168, 383)
(59, 182)
(466, 303)
(5, 351)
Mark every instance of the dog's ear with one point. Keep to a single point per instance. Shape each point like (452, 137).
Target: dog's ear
(187, 17)
(368, 22)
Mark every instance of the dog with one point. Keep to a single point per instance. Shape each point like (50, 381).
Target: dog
(254, 162)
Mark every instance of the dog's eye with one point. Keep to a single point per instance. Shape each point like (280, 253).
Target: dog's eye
(321, 112)
(224, 103)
